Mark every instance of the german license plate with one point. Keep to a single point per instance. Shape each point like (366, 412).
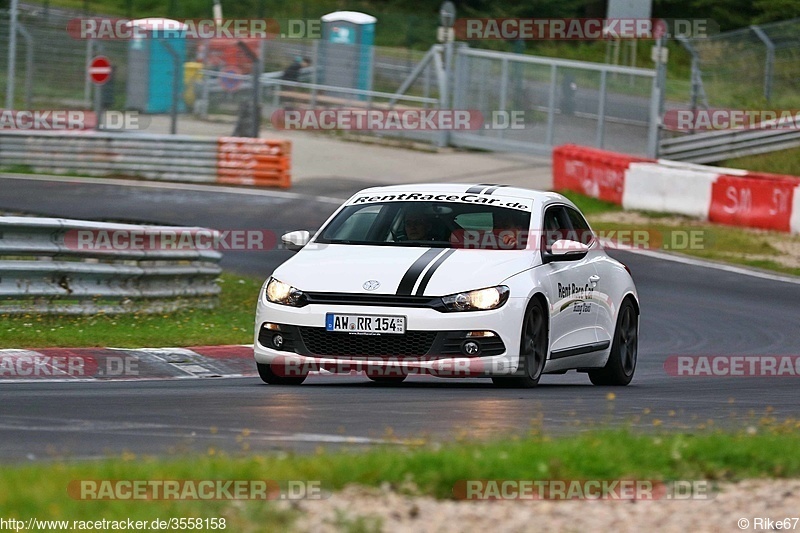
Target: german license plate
(372, 324)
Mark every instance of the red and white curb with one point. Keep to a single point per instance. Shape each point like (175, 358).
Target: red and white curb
(126, 364)
(723, 195)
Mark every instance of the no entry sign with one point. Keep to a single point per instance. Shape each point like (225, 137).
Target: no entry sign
(100, 70)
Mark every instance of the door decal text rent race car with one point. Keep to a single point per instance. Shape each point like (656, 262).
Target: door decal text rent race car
(519, 204)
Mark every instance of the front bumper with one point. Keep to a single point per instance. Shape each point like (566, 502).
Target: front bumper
(433, 342)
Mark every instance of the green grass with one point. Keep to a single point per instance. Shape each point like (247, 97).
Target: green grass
(770, 450)
(231, 322)
(715, 242)
(590, 206)
(781, 162)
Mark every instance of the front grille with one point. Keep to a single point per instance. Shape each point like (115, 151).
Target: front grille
(384, 300)
(321, 342)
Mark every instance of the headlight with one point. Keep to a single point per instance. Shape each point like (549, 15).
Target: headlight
(279, 292)
(479, 300)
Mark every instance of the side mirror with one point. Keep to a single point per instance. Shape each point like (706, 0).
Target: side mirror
(565, 250)
(295, 240)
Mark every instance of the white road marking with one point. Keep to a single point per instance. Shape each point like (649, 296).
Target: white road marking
(177, 186)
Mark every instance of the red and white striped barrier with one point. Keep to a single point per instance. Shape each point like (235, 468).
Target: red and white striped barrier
(723, 195)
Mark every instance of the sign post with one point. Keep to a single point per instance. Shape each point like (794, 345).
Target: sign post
(99, 72)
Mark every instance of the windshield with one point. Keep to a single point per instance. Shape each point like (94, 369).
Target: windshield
(429, 224)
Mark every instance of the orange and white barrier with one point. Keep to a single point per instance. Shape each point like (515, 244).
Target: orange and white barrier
(250, 161)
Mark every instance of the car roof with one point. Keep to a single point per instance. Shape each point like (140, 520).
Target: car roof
(538, 196)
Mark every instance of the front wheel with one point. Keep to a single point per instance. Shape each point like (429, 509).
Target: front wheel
(624, 350)
(269, 376)
(532, 349)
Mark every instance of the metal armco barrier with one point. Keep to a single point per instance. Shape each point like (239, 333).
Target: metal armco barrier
(261, 162)
(724, 195)
(712, 146)
(45, 267)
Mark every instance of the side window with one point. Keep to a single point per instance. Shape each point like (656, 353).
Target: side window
(581, 231)
(556, 224)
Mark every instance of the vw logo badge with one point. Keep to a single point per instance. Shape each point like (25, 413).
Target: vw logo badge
(371, 285)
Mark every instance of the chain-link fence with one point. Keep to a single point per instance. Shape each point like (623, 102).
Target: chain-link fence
(748, 67)
(559, 101)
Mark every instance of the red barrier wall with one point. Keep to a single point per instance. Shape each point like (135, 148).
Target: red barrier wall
(593, 172)
(756, 201)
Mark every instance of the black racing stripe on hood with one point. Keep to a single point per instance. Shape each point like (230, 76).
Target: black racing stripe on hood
(429, 274)
(410, 277)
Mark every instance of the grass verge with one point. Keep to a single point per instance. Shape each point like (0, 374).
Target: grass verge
(766, 250)
(231, 322)
(781, 162)
(41, 489)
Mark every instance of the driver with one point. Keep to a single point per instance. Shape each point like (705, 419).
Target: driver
(418, 226)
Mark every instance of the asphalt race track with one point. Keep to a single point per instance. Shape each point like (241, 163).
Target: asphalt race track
(687, 309)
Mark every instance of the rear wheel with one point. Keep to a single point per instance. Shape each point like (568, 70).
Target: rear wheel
(624, 350)
(532, 349)
(269, 376)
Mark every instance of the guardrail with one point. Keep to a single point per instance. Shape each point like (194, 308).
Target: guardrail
(239, 160)
(713, 146)
(53, 265)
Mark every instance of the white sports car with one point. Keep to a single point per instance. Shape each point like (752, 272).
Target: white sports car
(449, 280)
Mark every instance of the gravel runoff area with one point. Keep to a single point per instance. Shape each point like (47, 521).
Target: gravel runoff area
(380, 509)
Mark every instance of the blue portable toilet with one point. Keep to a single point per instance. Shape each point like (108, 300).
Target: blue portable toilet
(151, 67)
(346, 50)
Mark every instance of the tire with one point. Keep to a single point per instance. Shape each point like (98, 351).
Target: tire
(388, 380)
(533, 347)
(269, 376)
(621, 364)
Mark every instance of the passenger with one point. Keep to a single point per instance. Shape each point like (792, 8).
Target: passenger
(505, 230)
